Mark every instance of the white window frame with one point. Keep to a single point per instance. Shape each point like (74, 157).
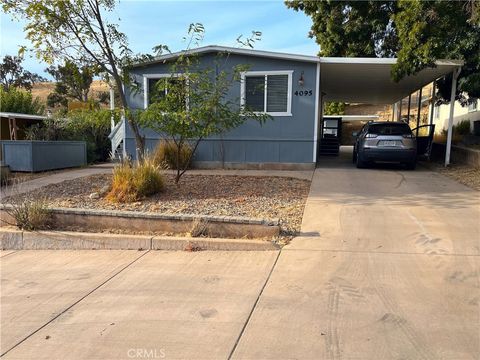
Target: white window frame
(243, 76)
(147, 77)
(473, 106)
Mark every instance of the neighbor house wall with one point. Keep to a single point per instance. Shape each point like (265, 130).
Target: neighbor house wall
(460, 113)
(284, 139)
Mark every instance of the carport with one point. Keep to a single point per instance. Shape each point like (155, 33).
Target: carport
(368, 80)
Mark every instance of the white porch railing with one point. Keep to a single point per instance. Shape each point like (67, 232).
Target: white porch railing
(116, 137)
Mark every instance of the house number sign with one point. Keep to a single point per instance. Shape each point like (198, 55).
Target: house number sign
(303, 93)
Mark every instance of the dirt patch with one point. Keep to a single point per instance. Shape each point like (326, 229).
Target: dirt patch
(243, 196)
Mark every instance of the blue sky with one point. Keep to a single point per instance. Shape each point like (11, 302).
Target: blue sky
(149, 23)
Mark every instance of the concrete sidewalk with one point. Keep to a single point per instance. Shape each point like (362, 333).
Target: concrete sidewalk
(55, 178)
(128, 304)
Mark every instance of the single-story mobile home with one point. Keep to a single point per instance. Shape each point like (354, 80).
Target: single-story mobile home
(293, 89)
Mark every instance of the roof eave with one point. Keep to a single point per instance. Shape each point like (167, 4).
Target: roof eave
(216, 48)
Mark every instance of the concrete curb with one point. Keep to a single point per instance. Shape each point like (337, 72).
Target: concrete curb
(101, 220)
(11, 239)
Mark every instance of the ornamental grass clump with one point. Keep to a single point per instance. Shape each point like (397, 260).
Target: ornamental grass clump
(134, 182)
(30, 214)
(166, 153)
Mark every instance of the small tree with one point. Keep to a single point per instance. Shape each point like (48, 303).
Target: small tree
(196, 106)
(13, 75)
(72, 82)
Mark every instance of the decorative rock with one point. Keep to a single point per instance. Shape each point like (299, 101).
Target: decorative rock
(94, 196)
(104, 190)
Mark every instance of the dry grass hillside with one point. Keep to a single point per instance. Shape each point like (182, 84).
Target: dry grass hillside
(43, 89)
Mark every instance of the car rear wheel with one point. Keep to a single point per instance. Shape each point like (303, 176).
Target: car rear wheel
(359, 161)
(354, 157)
(412, 165)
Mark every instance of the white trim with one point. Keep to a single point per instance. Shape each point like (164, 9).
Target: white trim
(379, 61)
(288, 56)
(232, 50)
(289, 73)
(145, 92)
(146, 77)
(317, 99)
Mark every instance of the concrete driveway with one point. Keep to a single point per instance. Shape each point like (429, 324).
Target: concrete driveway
(387, 267)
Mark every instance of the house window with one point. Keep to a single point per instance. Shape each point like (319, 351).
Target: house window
(473, 106)
(268, 92)
(156, 86)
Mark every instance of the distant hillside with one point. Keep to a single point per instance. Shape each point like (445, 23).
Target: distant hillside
(41, 90)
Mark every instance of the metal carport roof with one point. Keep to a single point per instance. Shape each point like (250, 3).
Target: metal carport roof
(368, 80)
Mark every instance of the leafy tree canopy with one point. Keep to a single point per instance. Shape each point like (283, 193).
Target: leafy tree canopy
(12, 74)
(79, 31)
(72, 82)
(416, 32)
(334, 108)
(351, 28)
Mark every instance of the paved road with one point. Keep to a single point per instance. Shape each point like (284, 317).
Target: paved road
(387, 268)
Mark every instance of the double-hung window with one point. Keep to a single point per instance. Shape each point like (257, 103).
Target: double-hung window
(155, 87)
(269, 92)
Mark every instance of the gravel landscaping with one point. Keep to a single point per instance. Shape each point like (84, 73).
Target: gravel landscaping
(220, 195)
(464, 174)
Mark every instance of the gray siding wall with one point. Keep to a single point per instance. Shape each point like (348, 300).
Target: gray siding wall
(33, 156)
(284, 139)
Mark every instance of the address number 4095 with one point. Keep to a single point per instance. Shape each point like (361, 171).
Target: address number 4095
(303, 93)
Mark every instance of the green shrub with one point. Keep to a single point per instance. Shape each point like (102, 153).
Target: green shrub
(132, 183)
(165, 154)
(21, 102)
(462, 128)
(91, 126)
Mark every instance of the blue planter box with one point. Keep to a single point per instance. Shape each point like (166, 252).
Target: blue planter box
(34, 156)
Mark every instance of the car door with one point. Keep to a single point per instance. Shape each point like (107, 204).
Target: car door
(424, 135)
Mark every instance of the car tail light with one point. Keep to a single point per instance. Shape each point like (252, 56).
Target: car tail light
(371, 135)
(408, 136)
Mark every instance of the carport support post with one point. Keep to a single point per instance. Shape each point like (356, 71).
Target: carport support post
(434, 93)
(408, 112)
(456, 72)
(419, 108)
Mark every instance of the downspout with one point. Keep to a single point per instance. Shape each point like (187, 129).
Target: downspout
(455, 73)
